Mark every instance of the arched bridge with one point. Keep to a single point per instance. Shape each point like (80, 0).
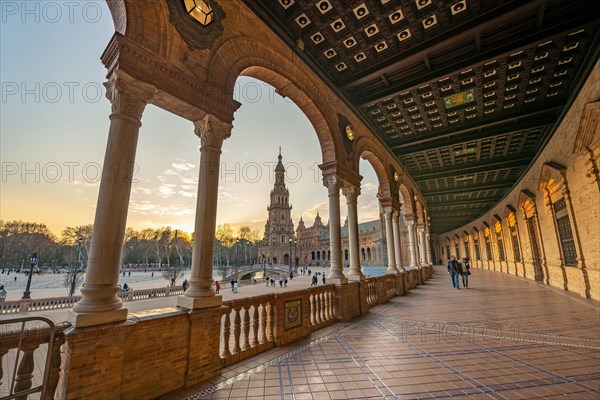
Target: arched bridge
(248, 271)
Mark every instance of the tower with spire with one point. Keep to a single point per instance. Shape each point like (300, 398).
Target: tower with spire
(279, 228)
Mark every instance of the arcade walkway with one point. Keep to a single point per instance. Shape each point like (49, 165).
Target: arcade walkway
(503, 338)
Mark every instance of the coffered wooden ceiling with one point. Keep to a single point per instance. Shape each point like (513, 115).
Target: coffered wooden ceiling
(465, 93)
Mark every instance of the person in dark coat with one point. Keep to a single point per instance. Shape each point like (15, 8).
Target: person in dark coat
(454, 270)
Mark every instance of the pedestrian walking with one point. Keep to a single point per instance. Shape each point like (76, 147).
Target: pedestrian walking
(314, 280)
(285, 282)
(217, 287)
(323, 279)
(465, 272)
(232, 286)
(454, 270)
(185, 285)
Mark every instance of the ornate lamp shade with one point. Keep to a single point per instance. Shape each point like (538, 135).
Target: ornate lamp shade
(200, 10)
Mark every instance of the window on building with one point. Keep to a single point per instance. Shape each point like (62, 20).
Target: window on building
(477, 252)
(488, 247)
(448, 251)
(501, 255)
(456, 250)
(282, 239)
(467, 252)
(515, 243)
(567, 242)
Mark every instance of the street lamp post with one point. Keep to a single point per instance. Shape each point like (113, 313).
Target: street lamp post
(32, 264)
(237, 258)
(77, 267)
(290, 255)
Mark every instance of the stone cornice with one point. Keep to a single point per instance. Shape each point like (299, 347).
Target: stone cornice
(137, 61)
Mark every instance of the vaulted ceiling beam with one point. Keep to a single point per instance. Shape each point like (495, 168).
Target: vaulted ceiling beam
(503, 14)
(470, 189)
(448, 69)
(472, 168)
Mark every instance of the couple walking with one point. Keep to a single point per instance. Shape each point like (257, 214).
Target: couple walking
(456, 268)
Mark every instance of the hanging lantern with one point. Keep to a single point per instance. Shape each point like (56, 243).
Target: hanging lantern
(200, 10)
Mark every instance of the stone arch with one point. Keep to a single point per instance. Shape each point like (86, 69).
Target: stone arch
(249, 57)
(419, 212)
(406, 200)
(367, 149)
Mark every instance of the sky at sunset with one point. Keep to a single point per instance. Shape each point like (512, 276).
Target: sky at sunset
(54, 125)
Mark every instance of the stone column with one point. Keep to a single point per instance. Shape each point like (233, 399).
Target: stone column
(421, 231)
(411, 241)
(428, 246)
(352, 193)
(212, 133)
(99, 303)
(389, 240)
(336, 275)
(397, 247)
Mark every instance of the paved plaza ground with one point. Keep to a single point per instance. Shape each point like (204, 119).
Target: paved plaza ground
(503, 338)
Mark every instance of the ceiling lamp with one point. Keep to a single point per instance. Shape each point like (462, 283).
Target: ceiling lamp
(200, 10)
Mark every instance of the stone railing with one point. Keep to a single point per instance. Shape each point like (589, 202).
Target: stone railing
(256, 324)
(51, 303)
(248, 328)
(189, 347)
(379, 290)
(31, 352)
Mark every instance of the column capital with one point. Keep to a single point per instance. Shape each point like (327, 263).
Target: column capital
(333, 184)
(128, 95)
(212, 131)
(387, 211)
(410, 219)
(351, 192)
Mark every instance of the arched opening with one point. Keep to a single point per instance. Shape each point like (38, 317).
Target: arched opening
(371, 230)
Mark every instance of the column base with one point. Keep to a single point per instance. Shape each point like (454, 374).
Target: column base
(356, 277)
(338, 281)
(198, 303)
(81, 320)
(391, 270)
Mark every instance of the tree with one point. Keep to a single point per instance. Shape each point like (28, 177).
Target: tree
(224, 236)
(19, 240)
(244, 235)
(183, 246)
(79, 239)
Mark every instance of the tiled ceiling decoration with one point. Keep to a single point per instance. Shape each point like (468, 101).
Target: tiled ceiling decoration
(468, 88)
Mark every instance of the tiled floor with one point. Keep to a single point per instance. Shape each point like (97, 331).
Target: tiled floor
(503, 338)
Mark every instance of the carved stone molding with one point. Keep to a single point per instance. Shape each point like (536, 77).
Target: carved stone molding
(351, 193)
(333, 184)
(127, 95)
(212, 132)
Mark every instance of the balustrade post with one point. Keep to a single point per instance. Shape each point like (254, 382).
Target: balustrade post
(3, 351)
(246, 328)
(236, 331)
(262, 338)
(313, 308)
(226, 334)
(25, 370)
(269, 330)
(254, 327)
